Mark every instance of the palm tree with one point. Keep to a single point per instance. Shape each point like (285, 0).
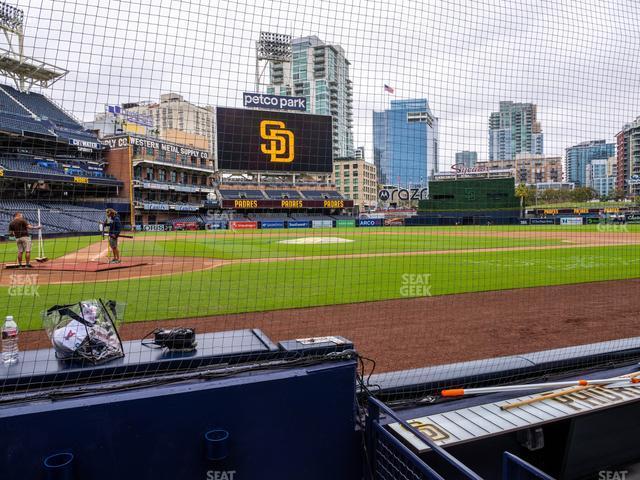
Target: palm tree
(521, 192)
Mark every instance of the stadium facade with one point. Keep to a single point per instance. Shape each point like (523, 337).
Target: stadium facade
(405, 143)
(514, 129)
(319, 72)
(162, 182)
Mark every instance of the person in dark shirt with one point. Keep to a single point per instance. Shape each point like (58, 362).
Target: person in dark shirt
(19, 228)
(115, 227)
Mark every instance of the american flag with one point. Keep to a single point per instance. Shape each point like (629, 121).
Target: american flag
(387, 88)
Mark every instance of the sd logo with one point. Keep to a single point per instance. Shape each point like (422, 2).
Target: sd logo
(280, 145)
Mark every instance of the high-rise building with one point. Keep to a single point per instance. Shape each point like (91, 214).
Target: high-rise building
(468, 159)
(628, 156)
(177, 120)
(320, 73)
(580, 156)
(405, 143)
(529, 168)
(514, 129)
(601, 175)
(357, 179)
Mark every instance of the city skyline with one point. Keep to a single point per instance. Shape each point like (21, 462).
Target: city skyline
(471, 65)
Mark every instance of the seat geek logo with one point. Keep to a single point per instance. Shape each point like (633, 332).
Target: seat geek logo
(274, 102)
(280, 142)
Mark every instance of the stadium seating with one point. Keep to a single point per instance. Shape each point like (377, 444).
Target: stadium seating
(9, 105)
(30, 164)
(20, 124)
(280, 194)
(240, 194)
(188, 218)
(55, 217)
(42, 107)
(32, 112)
(321, 194)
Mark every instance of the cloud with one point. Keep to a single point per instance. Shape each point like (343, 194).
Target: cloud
(576, 60)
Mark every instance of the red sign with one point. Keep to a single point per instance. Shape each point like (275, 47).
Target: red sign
(186, 225)
(243, 225)
(461, 168)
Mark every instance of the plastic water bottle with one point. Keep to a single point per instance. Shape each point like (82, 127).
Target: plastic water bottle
(9, 341)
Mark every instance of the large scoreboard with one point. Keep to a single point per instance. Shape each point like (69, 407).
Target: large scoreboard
(270, 141)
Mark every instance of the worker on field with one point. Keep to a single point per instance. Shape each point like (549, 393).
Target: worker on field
(115, 227)
(19, 228)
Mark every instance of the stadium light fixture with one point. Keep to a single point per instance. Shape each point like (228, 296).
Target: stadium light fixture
(11, 18)
(271, 47)
(25, 71)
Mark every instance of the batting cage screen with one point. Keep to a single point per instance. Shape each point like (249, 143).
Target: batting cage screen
(445, 192)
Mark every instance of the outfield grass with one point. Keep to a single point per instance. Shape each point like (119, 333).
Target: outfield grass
(397, 230)
(229, 245)
(303, 283)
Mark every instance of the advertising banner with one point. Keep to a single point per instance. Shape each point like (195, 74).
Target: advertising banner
(322, 224)
(345, 223)
(394, 222)
(156, 228)
(216, 225)
(632, 217)
(186, 225)
(272, 224)
(298, 224)
(249, 204)
(370, 222)
(243, 225)
(542, 221)
(571, 221)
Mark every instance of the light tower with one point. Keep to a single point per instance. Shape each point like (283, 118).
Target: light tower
(271, 47)
(23, 70)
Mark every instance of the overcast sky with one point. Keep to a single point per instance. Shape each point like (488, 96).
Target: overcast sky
(577, 60)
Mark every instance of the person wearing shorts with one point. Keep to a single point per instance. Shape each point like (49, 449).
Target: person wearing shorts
(19, 228)
(115, 227)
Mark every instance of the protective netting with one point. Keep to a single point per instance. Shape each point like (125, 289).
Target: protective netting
(435, 182)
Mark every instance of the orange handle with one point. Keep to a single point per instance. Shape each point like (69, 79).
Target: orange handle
(453, 392)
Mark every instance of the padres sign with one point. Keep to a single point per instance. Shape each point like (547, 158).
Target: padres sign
(253, 140)
(280, 142)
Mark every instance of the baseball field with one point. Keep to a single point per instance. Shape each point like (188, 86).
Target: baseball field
(366, 284)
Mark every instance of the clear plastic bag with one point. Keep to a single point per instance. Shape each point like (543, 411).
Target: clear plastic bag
(87, 330)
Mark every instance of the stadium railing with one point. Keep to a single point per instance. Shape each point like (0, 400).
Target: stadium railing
(389, 459)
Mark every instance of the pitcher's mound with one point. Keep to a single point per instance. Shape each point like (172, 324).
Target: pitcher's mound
(316, 240)
(68, 266)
